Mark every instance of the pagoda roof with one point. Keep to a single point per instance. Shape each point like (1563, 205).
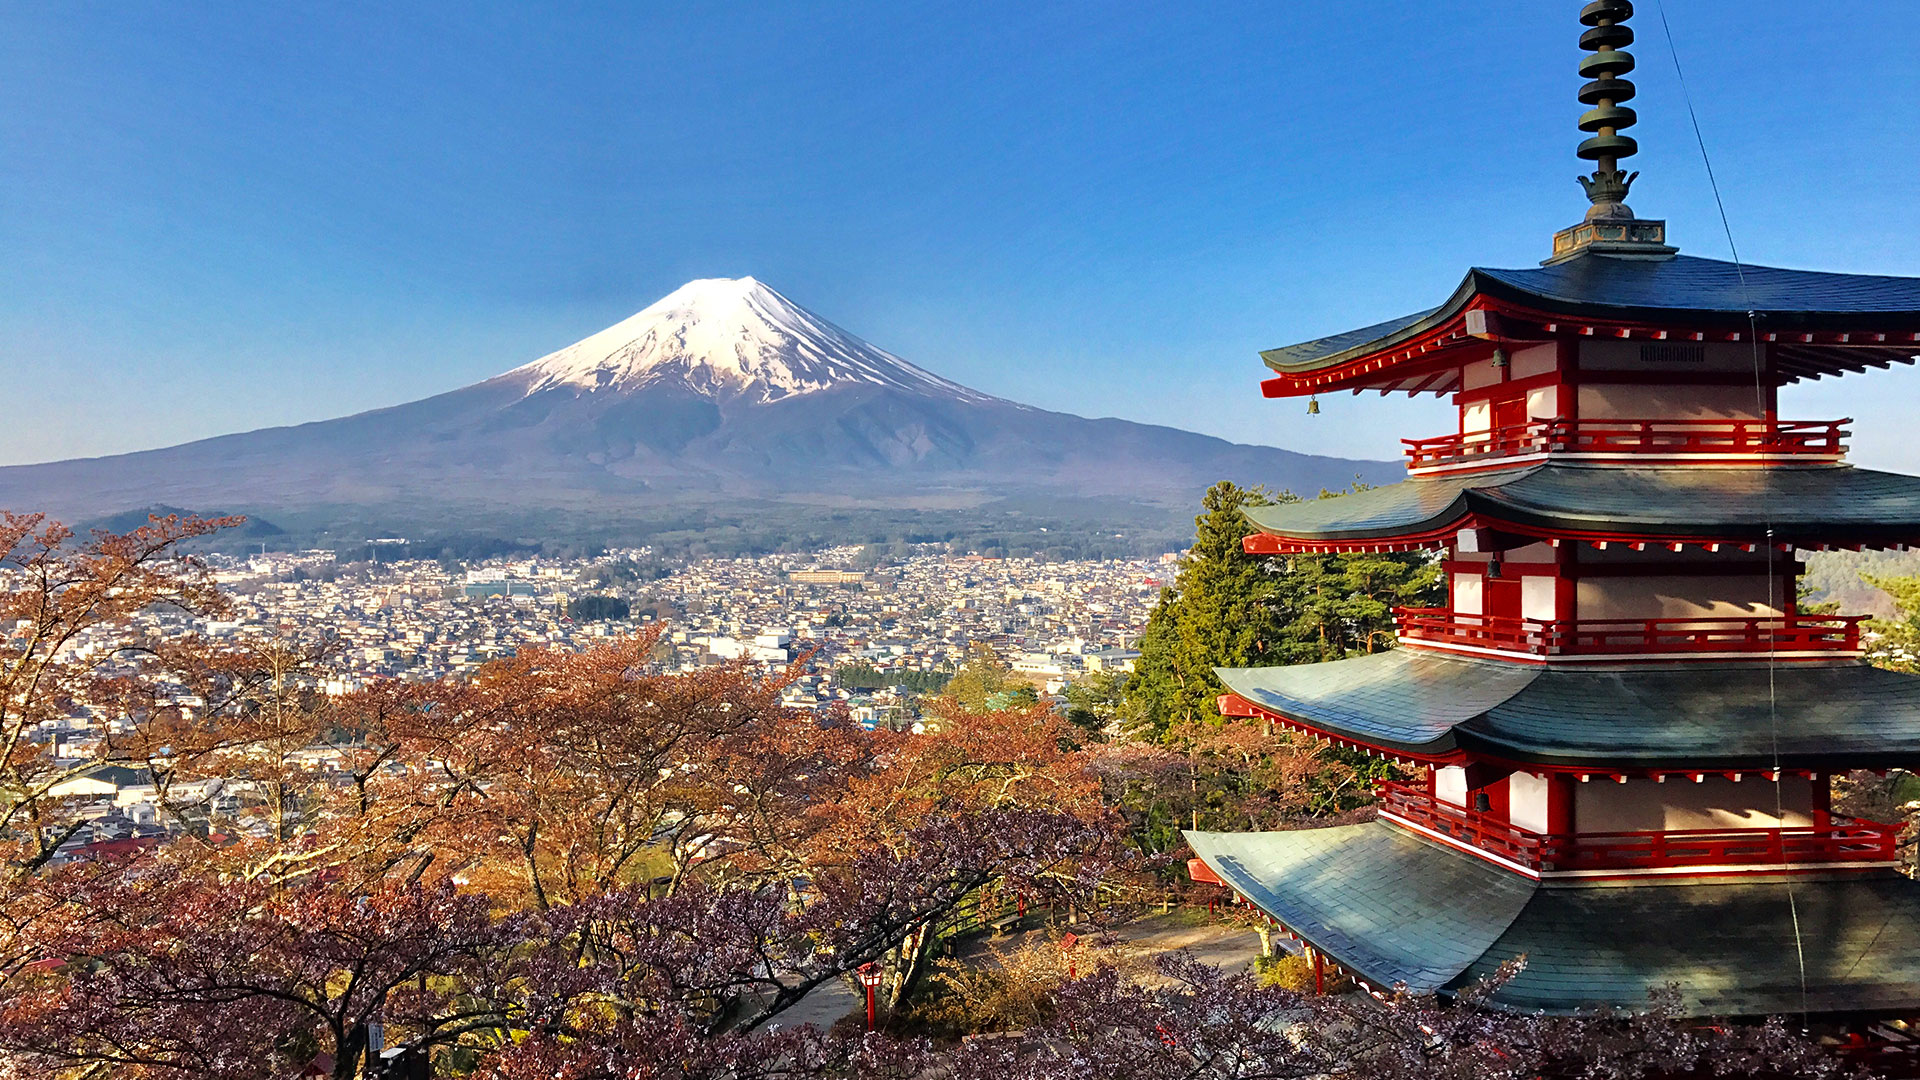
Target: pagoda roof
(1394, 908)
(1813, 314)
(1806, 505)
(1678, 717)
(1384, 904)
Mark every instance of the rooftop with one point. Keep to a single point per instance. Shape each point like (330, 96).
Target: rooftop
(1810, 506)
(1822, 323)
(1681, 718)
(1396, 909)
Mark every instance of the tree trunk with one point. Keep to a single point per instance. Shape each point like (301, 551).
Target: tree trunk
(346, 1056)
(912, 950)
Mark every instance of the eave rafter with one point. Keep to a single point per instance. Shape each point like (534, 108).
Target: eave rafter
(1233, 705)
(1485, 767)
(1428, 360)
(1264, 543)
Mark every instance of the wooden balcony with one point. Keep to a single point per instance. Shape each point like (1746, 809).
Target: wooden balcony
(1821, 636)
(1840, 840)
(1705, 441)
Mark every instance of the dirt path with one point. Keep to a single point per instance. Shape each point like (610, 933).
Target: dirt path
(1230, 948)
(823, 1007)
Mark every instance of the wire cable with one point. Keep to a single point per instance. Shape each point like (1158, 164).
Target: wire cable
(1774, 600)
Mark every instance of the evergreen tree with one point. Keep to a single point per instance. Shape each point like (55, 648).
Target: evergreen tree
(1895, 642)
(1224, 609)
(1095, 700)
(1230, 609)
(594, 608)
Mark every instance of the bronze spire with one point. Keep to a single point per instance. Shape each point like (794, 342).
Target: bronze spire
(1610, 227)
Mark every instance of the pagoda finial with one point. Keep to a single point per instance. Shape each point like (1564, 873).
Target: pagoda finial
(1610, 227)
(1607, 38)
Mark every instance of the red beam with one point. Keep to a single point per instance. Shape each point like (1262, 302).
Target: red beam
(1201, 873)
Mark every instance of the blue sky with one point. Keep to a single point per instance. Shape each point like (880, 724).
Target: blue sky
(220, 217)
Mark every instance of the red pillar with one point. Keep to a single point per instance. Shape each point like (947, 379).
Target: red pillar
(1566, 582)
(1319, 973)
(869, 979)
(1560, 804)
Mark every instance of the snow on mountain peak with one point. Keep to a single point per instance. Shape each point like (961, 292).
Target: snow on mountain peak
(733, 336)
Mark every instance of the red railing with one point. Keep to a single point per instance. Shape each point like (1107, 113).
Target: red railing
(1732, 439)
(1843, 840)
(1840, 840)
(1481, 830)
(1443, 626)
(1614, 637)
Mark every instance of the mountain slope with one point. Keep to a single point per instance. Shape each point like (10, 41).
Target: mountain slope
(724, 392)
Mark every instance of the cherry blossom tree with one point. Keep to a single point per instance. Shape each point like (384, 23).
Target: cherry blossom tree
(472, 875)
(57, 594)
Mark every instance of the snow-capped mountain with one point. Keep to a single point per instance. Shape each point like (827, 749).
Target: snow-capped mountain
(728, 336)
(722, 396)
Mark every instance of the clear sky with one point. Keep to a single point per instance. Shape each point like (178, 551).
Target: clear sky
(216, 217)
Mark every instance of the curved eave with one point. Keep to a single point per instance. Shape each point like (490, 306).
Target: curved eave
(1675, 718)
(1810, 507)
(1392, 908)
(1379, 338)
(1399, 702)
(1409, 353)
(1379, 902)
(1475, 745)
(1443, 749)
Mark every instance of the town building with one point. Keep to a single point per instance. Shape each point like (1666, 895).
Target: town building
(1627, 729)
(827, 577)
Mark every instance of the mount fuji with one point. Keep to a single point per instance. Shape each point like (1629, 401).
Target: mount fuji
(722, 396)
(725, 337)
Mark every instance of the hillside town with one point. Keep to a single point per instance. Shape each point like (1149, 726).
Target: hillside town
(874, 639)
(922, 613)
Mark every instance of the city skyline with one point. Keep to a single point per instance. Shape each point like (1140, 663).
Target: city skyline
(229, 219)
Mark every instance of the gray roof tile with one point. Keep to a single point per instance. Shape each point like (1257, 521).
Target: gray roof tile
(1373, 898)
(1397, 909)
(1707, 715)
(1812, 505)
(1705, 293)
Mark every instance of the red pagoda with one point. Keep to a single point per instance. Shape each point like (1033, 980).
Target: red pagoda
(1628, 730)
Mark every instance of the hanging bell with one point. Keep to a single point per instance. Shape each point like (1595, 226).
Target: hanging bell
(1313, 406)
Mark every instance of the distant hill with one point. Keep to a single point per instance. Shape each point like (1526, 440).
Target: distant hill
(129, 520)
(1840, 576)
(725, 402)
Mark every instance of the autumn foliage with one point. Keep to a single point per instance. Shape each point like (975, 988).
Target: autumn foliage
(573, 865)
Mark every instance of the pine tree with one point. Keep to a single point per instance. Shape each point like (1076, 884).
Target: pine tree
(1230, 609)
(1894, 643)
(1223, 610)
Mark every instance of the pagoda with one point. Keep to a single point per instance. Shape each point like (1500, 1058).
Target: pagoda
(1627, 730)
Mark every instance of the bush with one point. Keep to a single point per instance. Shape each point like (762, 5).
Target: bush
(1290, 972)
(596, 608)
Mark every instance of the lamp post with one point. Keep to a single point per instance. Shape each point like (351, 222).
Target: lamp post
(870, 978)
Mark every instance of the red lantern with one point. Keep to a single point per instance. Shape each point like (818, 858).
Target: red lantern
(870, 978)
